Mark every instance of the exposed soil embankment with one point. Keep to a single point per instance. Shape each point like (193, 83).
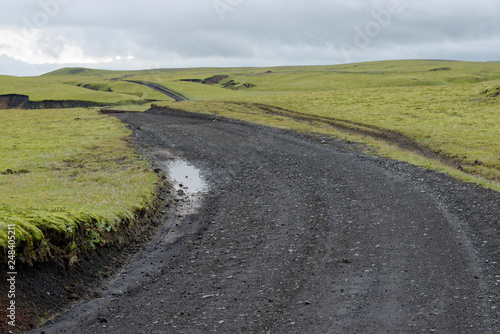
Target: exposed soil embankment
(47, 287)
(13, 101)
(208, 81)
(16, 101)
(217, 79)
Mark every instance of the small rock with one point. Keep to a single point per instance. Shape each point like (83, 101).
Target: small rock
(102, 320)
(207, 296)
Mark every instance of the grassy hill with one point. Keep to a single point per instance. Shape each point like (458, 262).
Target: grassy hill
(61, 171)
(447, 108)
(71, 88)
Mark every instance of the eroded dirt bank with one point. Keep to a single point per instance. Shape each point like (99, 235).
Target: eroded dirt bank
(46, 287)
(13, 101)
(299, 237)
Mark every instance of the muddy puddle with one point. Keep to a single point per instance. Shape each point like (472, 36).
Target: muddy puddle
(185, 177)
(189, 185)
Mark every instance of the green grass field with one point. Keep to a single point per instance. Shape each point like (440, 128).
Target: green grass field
(65, 173)
(62, 88)
(64, 169)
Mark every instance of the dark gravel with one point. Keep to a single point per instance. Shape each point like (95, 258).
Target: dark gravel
(296, 236)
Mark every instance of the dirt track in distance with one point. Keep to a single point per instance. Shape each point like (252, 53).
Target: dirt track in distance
(162, 89)
(295, 236)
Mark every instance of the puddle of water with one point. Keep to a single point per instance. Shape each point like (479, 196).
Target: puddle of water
(186, 177)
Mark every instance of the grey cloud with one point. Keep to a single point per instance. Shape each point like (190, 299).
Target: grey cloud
(9, 66)
(258, 32)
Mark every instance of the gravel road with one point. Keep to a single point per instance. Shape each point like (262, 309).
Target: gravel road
(162, 89)
(295, 235)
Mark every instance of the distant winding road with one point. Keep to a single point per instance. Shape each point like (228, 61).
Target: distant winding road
(162, 89)
(296, 236)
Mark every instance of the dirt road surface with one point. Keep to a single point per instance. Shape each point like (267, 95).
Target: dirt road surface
(295, 235)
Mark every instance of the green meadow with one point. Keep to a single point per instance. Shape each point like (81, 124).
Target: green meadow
(70, 172)
(67, 177)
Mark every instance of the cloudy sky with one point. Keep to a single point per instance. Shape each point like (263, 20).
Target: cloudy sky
(37, 36)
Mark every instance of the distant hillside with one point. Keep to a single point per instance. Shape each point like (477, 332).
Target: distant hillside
(449, 108)
(80, 71)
